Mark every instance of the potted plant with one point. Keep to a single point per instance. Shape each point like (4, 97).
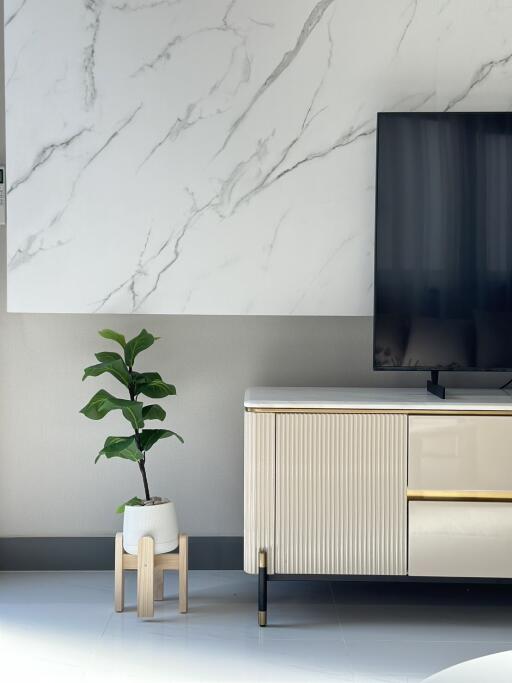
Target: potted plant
(151, 516)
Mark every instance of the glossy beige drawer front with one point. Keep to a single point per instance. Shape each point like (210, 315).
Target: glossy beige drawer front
(460, 453)
(460, 539)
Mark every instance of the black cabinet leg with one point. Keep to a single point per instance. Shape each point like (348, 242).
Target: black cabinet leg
(262, 588)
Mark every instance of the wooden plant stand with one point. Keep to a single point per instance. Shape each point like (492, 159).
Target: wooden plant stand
(150, 573)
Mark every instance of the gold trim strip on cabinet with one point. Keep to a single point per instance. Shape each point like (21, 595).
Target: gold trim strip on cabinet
(378, 411)
(460, 496)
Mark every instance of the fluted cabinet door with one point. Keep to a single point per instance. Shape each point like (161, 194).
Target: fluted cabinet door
(341, 494)
(259, 488)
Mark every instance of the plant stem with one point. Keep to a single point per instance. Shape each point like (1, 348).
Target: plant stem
(142, 463)
(144, 478)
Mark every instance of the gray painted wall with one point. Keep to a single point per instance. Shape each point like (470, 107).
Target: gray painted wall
(49, 485)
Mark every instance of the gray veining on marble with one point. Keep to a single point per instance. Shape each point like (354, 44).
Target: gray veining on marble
(218, 156)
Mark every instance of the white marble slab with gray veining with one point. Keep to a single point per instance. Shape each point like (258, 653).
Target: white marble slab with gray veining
(218, 156)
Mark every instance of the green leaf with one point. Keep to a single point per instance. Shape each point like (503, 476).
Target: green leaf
(148, 437)
(104, 356)
(133, 501)
(133, 413)
(120, 447)
(102, 403)
(98, 406)
(117, 368)
(152, 385)
(114, 336)
(139, 343)
(153, 412)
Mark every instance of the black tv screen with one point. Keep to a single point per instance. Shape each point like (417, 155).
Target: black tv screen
(443, 242)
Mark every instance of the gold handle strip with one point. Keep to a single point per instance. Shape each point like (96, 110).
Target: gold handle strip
(460, 496)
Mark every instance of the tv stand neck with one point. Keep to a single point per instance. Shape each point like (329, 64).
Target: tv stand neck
(433, 385)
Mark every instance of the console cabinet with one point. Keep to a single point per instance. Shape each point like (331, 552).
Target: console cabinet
(373, 482)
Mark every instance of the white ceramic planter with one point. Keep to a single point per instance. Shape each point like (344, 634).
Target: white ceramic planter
(158, 521)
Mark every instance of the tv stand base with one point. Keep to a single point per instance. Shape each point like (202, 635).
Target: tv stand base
(433, 385)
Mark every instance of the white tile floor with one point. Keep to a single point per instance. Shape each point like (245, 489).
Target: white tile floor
(60, 626)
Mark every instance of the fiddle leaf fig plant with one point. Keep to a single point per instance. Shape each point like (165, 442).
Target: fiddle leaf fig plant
(135, 445)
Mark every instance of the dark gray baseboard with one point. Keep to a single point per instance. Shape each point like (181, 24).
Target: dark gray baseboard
(93, 553)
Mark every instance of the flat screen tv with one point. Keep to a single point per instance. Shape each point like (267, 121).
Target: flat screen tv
(443, 242)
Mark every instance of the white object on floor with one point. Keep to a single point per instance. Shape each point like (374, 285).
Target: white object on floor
(495, 668)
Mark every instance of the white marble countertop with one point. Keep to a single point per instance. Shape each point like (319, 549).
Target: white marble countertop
(376, 398)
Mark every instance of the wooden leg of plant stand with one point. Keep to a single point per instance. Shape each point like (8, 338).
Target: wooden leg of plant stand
(145, 577)
(183, 573)
(159, 584)
(119, 574)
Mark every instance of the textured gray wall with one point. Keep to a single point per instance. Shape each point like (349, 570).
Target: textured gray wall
(48, 482)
